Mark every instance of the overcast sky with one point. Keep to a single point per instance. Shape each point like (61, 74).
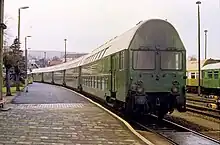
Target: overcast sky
(89, 23)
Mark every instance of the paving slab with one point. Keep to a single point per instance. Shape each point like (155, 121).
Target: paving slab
(47, 94)
(62, 118)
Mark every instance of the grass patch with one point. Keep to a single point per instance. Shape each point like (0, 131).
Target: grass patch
(13, 90)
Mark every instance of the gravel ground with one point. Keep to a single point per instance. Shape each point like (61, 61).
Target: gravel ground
(197, 103)
(197, 122)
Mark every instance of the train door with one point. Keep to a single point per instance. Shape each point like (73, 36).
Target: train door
(113, 76)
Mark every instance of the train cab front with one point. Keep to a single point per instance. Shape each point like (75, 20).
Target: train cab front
(157, 86)
(152, 97)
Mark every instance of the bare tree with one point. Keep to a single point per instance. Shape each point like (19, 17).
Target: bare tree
(192, 58)
(7, 34)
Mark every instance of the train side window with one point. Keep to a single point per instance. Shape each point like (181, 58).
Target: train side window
(106, 83)
(203, 75)
(103, 83)
(210, 75)
(97, 84)
(193, 75)
(121, 60)
(89, 85)
(215, 74)
(100, 84)
(93, 80)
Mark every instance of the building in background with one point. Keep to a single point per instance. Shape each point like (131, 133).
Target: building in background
(72, 56)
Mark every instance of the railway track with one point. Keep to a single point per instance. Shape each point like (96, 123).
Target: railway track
(175, 134)
(203, 110)
(201, 100)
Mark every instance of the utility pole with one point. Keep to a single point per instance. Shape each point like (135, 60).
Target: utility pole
(45, 59)
(26, 63)
(19, 23)
(206, 43)
(19, 42)
(2, 27)
(199, 64)
(65, 48)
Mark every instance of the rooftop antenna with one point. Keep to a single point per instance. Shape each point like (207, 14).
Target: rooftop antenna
(139, 22)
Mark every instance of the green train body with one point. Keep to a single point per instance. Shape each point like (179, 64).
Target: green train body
(210, 78)
(143, 70)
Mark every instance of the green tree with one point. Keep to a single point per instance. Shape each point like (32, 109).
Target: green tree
(8, 61)
(15, 59)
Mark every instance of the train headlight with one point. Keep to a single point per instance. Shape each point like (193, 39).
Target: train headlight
(140, 90)
(175, 90)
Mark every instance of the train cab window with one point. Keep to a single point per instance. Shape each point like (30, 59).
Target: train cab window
(193, 75)
(171, 60)
(210, 75)
(144, 60)
(121, 60)
(215, 74)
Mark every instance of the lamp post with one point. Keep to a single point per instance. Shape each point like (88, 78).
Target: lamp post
(26, 60)
(2, 27)
(206, 43)
(26, 63)
(199, 66)
(19, 22)
(45, 55)
(65, 48)
(19, 25)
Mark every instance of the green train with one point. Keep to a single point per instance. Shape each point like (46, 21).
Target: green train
(141, 71)
(210, 77)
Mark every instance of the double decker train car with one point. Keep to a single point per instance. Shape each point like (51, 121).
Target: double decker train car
(209, 76)
(211, 79)
(141, 71)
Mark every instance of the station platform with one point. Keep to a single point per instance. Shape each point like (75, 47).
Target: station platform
(49, 114)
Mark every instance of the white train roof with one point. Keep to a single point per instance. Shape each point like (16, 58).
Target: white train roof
(67, 65)
(211, 66)
(112, 46)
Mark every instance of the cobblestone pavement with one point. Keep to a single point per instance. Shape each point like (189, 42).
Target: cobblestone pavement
(62, 123)
(44, 93)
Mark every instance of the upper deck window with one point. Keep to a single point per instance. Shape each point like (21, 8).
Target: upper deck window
(171, 60)
(144, 59)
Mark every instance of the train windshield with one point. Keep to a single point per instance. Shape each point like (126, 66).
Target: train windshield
(171, 60)
(144, 59)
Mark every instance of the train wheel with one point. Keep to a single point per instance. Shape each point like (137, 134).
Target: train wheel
(161, 115)
(128, 106)
(162, 112)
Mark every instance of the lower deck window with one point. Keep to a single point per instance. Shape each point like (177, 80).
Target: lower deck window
(209, 75)
(193, 75)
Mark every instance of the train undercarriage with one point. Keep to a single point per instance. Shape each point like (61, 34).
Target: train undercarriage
(154, 103)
